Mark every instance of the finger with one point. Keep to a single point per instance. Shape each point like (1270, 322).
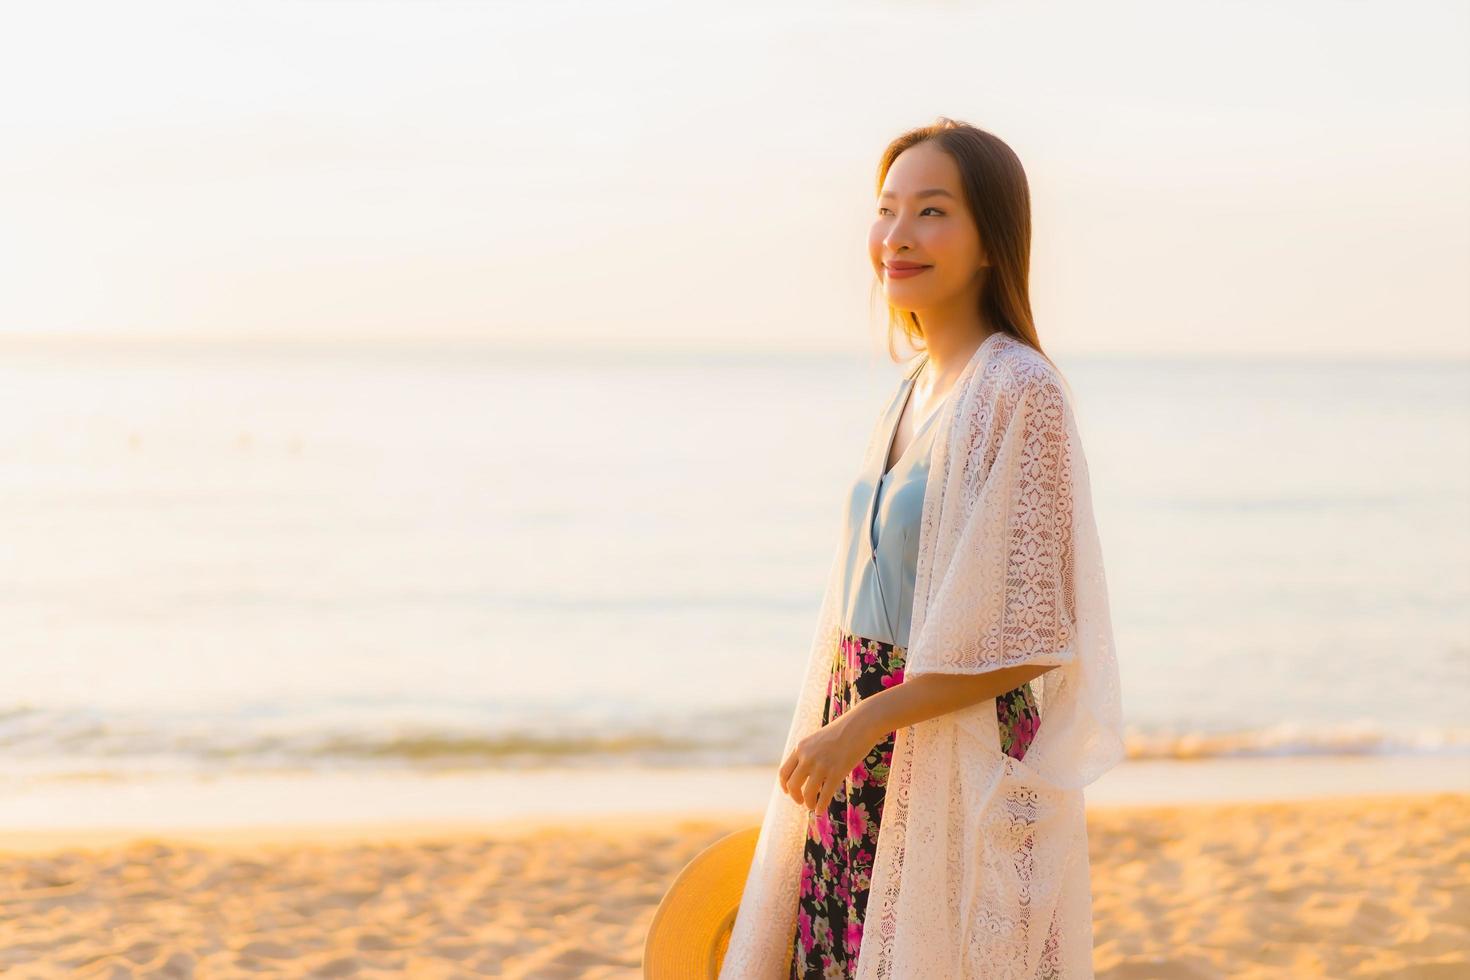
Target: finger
(787, 768)
(794, 783)
(813, 792)
(829, 792)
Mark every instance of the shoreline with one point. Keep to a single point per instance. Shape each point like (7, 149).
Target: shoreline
(335, 802)
(611, 827)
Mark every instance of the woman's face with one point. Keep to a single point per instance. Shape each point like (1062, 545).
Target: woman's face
(921, 219)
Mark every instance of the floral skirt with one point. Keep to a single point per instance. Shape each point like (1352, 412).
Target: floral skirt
(840, 842)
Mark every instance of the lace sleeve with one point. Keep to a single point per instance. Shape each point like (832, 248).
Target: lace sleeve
(1012, 558)
(1036, 619)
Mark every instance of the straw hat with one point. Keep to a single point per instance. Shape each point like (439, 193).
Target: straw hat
(691, 928)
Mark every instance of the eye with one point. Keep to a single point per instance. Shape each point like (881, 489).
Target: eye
(930, 208)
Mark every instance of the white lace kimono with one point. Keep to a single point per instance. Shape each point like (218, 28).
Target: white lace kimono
(981, 869)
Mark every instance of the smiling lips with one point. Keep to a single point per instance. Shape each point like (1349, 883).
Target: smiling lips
(903, 270)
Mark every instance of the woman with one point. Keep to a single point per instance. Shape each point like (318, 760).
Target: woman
(961, 688)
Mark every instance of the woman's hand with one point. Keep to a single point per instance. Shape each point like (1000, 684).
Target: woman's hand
(821, 762)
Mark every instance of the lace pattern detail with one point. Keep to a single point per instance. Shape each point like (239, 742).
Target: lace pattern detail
(1012, 511)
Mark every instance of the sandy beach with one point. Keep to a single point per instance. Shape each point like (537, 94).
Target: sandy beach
(1371, 886)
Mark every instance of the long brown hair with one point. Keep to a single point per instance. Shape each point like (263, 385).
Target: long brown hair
(999, 197)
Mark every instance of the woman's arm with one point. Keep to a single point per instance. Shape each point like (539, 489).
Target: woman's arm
(928, 696)
(819, 764)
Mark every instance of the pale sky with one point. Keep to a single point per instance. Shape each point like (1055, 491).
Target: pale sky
(1205, 177)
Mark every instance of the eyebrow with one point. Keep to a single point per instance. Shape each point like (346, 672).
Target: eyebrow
(931, 192)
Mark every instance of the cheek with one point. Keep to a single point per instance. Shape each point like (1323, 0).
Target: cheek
(948, 243)
(957, 254)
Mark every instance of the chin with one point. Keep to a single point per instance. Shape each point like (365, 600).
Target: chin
(907, 299)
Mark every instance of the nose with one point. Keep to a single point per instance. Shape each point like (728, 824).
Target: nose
(897, 238)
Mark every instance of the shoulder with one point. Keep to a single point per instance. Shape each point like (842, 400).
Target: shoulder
(1017, 374)
(1019, 366)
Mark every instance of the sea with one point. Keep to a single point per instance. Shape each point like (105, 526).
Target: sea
(226, 564)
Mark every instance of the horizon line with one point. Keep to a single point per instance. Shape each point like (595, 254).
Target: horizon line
(20, 341)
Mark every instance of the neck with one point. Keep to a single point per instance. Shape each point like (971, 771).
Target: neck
(952, 335)
(949, 352)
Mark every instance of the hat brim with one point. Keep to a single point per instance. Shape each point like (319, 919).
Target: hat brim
(690, 931)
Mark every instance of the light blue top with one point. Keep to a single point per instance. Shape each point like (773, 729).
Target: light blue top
(882, 528)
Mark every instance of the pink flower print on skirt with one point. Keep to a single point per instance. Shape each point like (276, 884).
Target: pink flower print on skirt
(837, 865)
